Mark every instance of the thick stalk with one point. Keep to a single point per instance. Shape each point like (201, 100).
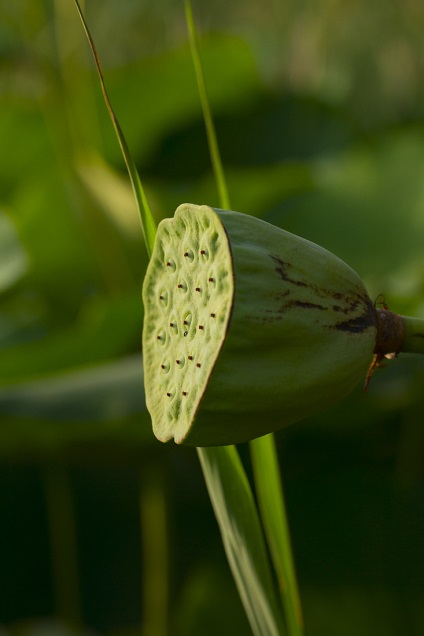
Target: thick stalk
(413, 339)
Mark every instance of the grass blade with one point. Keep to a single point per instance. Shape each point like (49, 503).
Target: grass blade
(147, 221)
(274, 518)
(210, 128)
(242, 537)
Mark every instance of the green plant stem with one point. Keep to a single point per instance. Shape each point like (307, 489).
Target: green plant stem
(274, 517)
(148, 224)
(242, 536)
(154, 541)
(207, 116)
(62, 532)
(414, 335)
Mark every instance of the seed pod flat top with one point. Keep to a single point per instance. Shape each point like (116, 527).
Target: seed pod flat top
(188, 297)
(247, 328)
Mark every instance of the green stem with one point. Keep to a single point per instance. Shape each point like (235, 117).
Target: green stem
(62, 532)
(207, 115)
(414, 335)
(242, 536)
(154, 540)
(274, 517)
(148, 224)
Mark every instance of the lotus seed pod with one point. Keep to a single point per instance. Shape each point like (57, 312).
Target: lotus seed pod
(247, 328)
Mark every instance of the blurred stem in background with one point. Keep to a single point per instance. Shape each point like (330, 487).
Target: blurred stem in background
(63, 544)
(155, 554)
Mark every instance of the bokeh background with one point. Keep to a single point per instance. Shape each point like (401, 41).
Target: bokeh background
(319, 108)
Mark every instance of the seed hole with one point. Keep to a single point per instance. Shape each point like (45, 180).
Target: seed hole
(171, 265)
(163, 298)
(161, 337)
(212, 279)
(165, 366)
(173, 327)
(187, 320)
(189, 255)
(204, 254)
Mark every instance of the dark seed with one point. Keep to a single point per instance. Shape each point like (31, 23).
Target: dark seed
(198, 365)
(184, 393)
(210, 280)
(197, 289)
(178, 361)
(200, 326)
(190, 357)
(168, 394)
(213, 315)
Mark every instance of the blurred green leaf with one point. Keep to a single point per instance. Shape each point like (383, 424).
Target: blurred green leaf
(13, 260)
(101, 406)
(367, 204)
(106, 329)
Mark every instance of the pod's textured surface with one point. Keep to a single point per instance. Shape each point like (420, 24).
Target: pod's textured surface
(188, 294)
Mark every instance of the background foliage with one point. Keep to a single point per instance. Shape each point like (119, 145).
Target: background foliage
(319, 109)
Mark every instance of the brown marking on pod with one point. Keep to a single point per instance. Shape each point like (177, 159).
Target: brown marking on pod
(281, 270)
(306, 305)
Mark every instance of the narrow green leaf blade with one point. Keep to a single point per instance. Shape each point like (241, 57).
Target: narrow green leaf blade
(147, 221)
(242, 536)
(274, 518)
(207, 115)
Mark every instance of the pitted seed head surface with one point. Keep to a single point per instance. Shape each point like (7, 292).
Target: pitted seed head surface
(188, 294)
